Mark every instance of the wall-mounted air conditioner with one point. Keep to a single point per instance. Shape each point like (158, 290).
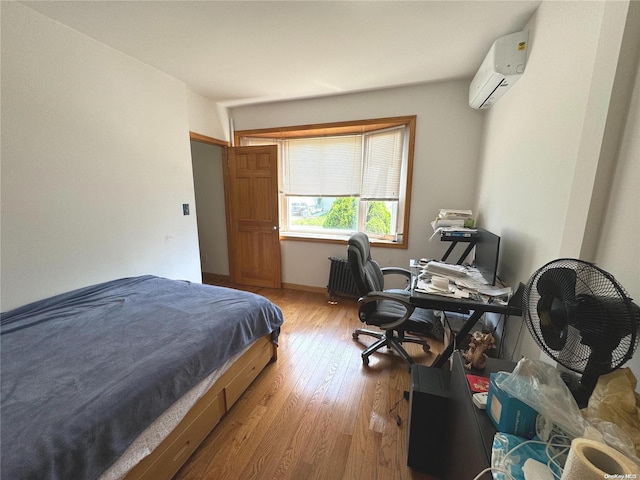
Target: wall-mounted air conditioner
(502, 67)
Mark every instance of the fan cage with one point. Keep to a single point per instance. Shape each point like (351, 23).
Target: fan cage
(606, 319)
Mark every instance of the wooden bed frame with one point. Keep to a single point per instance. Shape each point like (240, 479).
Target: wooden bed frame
(165, 461)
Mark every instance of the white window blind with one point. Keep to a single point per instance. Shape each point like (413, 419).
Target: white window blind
(382, 165)
(367, 165)
(323, 166)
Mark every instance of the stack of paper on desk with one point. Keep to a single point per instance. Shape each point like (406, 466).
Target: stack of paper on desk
(446, 269)
(458, 281)
(453, 218)
(452, 291)
(495, 291)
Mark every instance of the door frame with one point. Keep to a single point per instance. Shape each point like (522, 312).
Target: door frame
(198, 137)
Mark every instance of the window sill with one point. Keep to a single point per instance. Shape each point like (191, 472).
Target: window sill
(341, 239)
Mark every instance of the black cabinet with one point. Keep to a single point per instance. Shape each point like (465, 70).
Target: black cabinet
(448, 437)
(428, 413)
(471, 429)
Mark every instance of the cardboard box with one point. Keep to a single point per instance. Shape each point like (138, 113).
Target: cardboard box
(509, 414)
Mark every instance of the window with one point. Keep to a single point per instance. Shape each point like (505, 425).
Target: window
(336, 179)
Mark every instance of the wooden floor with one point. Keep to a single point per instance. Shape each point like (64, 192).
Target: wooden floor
(317, 412)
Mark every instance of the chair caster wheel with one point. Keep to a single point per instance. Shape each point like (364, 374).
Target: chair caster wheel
(426, 348)
(354, 336)
(365, 361)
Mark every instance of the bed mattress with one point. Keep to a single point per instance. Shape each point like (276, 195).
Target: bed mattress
(85, 373)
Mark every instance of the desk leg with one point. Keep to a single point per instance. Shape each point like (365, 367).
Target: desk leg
(466, 328)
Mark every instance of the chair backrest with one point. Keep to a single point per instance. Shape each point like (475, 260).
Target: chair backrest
(366, 271)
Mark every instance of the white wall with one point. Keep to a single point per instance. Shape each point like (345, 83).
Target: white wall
(543, 162)
(95, 164)
(619, 245)
(448, 135)
(532, 137)
(206, 117)
(212, 227)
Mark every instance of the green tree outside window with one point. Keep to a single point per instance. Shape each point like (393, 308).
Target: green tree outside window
(342, 215)
(378, 218)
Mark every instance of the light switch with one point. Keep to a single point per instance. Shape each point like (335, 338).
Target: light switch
(185, 209)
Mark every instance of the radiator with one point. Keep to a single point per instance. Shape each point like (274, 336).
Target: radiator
(340, 279)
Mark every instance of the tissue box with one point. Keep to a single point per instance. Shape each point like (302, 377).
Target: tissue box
(509, 414)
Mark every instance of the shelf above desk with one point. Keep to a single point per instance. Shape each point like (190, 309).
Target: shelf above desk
(459, 236)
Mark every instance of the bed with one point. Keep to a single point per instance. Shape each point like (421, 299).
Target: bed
(125, 378)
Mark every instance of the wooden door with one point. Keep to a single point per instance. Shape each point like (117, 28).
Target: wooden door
(252, 215)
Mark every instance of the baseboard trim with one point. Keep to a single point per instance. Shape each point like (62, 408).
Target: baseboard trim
(215, 278)
(304, 288)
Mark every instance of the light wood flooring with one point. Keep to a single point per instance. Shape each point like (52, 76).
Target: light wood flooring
(317, 412)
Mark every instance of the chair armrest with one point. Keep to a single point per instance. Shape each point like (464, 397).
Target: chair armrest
(396, 271)
(375, 296)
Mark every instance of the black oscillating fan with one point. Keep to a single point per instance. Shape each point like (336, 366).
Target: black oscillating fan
(582, 318)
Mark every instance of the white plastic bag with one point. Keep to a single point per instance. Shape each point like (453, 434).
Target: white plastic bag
(540, 386)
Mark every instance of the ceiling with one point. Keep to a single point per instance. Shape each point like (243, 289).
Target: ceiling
(238, 52)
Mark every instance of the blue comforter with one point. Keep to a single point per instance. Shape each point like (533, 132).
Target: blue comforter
(84, 373)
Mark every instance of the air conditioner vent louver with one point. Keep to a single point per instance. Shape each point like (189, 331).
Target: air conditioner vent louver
(502, 67)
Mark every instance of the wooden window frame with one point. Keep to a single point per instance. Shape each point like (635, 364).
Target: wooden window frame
(336, 128)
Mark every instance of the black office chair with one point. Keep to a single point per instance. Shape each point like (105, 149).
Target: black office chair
(389, 310)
